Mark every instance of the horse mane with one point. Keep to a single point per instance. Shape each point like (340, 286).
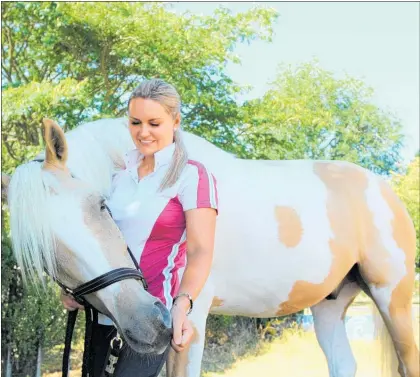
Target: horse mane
(31, 232)
(96, 151)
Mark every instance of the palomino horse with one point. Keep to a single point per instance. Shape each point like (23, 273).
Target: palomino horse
(289, 233)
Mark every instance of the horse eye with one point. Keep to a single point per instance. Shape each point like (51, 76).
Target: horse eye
(103, 206)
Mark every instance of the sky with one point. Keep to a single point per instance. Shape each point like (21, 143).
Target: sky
(376, 42)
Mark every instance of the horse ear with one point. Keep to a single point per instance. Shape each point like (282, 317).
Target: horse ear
(56, 150)
(5, 180)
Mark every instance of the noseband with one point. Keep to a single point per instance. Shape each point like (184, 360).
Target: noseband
(104, 281)
(78, 294)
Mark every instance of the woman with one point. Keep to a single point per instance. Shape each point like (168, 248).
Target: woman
(166, 207)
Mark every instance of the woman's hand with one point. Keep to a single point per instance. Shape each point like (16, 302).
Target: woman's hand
(69, 302)
(182, 328)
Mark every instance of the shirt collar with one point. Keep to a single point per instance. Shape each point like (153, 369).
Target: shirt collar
(162, 157)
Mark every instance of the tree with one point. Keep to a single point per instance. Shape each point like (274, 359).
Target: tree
(310, 114)
(407, 186)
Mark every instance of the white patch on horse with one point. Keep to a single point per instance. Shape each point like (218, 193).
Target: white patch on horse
(282, 266)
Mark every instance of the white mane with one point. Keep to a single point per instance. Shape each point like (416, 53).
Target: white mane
(96, 151)
(32, 238)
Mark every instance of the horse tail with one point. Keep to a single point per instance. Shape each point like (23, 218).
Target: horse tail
(386, 351)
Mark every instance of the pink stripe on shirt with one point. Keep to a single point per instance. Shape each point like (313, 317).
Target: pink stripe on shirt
(166, 233)
(203, 189)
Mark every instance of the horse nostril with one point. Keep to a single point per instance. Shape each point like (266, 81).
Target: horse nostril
(164, 312)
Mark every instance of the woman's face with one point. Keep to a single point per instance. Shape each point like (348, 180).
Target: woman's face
(151, 127)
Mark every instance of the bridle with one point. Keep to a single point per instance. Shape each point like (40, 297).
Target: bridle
(91, 313)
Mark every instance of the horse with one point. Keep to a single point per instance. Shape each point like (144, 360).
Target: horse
(290, 235)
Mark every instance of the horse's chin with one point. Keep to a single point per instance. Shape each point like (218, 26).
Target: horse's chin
(148, 350)
(157, 347)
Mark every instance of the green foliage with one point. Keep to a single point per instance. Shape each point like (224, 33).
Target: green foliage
(25, 106)
(407, 186)
(308, 114)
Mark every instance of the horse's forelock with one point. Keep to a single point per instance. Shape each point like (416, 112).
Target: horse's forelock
(31, 232)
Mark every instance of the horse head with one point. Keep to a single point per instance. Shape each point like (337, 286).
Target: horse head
(61, 225)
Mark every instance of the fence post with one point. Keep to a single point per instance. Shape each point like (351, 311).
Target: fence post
(9, 362)
(39, 361)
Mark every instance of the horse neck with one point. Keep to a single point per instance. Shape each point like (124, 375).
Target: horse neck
(214, 158)
(113, 136)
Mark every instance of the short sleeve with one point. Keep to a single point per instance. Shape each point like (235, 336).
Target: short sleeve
(198, 189)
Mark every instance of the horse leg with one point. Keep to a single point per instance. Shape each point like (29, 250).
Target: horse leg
(188, 362)
(387, 269)
(331, 332)
(398, 320)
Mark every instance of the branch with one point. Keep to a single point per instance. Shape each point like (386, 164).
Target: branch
(10, 152)
(105, 73)
(20, 75)
(6, 72)
(11, 48)
(24, 45)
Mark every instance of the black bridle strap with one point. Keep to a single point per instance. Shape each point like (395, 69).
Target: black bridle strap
(91, 317)
(131, 254)
(71, 320)
(107, 279)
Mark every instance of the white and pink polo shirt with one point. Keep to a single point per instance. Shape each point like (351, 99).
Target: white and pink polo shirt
(153, 222)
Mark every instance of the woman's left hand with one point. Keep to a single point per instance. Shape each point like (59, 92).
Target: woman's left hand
(182, 329)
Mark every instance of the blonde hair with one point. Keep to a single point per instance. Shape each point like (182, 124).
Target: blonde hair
(167, 96)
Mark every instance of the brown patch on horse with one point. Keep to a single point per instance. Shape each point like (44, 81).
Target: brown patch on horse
(355, 236)
(362, 238)
(177, 362)
(217, 302)
(289, 226)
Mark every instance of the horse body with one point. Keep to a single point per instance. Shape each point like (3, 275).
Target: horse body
(314, 222)
(288, 233)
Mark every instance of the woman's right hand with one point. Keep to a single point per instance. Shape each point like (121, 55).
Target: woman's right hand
(69, 302)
